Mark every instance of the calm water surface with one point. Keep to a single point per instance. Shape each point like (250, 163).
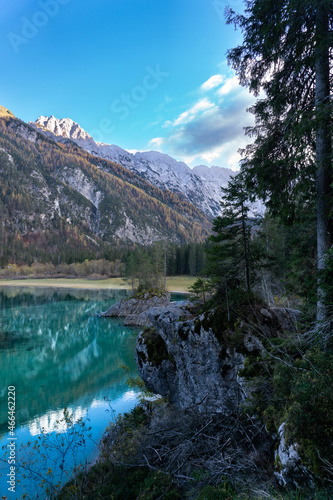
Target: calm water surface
(59, 354)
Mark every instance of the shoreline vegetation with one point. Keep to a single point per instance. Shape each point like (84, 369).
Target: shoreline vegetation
(173, 283)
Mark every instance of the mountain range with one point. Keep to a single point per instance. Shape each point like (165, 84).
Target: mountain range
(200, 185)
(57, 199)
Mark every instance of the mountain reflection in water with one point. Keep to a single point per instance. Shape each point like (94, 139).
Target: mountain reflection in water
(58, 353)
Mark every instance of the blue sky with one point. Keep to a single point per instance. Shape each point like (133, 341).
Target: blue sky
(142, 74)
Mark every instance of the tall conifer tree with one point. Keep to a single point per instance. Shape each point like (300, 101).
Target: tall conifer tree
(286, 53)
(230, 257)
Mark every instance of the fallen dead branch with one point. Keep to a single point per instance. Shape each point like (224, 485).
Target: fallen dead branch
(181, 443)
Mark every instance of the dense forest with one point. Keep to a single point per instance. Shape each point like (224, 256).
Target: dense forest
(113, 261)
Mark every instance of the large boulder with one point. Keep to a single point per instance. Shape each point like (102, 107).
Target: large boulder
(134, 309)
(192, 359)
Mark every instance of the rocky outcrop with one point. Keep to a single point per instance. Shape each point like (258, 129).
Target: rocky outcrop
(192, 359)
(276, 320)
(289, 470)
(135, 309)
(184, 361)
(209, 363)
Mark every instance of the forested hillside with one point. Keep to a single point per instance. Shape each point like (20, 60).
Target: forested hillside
(59, 203)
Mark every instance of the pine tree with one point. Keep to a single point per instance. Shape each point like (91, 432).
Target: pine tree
(230, 260)
(285, 53)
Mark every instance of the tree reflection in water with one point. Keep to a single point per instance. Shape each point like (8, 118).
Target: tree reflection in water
(57, 352)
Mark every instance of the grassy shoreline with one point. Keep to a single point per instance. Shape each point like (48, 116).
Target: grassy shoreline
(173, 283)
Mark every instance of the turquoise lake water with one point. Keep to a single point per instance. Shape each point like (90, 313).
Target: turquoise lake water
(57, 353)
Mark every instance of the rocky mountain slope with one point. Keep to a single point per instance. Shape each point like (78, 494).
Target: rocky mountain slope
(60, 195)
(201, 185)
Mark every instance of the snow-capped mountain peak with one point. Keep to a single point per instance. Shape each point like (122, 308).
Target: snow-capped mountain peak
(64, 127)
(200, 185)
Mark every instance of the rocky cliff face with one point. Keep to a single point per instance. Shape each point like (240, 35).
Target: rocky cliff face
(189, 360)
(203, 363)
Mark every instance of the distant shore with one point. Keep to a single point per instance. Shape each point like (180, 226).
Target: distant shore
(173, 283)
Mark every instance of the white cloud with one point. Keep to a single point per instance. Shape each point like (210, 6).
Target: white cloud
(226, 155)
(156, 143)
(230, 85)
(211, 131)
(212, 82)
(191, 113)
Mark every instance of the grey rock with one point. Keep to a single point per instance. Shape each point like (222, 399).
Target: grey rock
(181, 303)
(287, 317)
(137, 320)
(194, 365)
(142, 319)
(289, 470)
(135, 309)
(271, 321)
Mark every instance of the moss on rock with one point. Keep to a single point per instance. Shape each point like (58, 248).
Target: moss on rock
(156, 347)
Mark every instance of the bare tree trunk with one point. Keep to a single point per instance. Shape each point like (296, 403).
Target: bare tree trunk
(323, 147)
(165, 265)
(227, 297)
(246, 257)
